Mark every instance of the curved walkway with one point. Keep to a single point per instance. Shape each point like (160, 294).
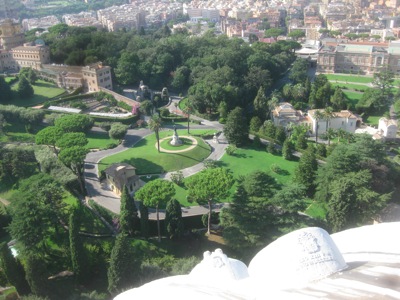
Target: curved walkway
(106, 198)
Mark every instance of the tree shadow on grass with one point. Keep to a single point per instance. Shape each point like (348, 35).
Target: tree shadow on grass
(144, 166)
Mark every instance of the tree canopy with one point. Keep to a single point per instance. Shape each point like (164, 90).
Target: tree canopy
(207, 186)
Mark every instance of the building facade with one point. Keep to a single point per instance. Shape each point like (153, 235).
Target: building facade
(358, 58)
(120, 175)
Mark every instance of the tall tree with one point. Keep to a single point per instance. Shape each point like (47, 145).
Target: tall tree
(352, 202)
(338, 100)
(74, 123)
(306, 170)
(383, 80)
(5, 91)
(155, 194)
(260, 104)
(207, 186)
(144, 220)
(121, 272)
(13, 269)
(76, 247)
(37, 274)
(328, 115)
(318, 115)
(128, 217)
(287, 150)
(74, 159)
(155, 125)
(49, 136)
(236, 129)
(24, 89)
(71, 139)
(173, 219)
(36, 211)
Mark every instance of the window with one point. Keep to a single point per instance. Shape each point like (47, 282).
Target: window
(351, 123)
(342, 122)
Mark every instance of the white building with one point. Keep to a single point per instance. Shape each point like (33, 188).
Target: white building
(387, 128)
(344, 119)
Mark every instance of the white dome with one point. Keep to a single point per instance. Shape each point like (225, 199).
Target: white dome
(297, 258)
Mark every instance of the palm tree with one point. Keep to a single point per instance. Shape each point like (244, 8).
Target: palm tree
(155, 125)
(318, 115)
(328, 115)
(330, 134)
(341, 134)
(188, 110)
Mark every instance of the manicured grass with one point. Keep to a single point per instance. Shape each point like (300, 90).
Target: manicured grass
(247, 160)
(147, 160)
(349, 78)
(182, 104)
(353, 97)
(42, 92)
(373, 120)
(99, 140)
(181, 194)
(8, 79)
(350, 86)
(316, 210)
(16, 132)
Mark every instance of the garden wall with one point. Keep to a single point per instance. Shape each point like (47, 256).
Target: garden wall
(119, 97)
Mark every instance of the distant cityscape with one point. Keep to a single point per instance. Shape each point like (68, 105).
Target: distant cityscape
(347, 37)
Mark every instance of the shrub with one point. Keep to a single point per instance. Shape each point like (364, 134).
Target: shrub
(222, 120)
(105, 126)
(230, 150)
(271, 148)
(321, 150)
(275, 168)
(210, 164)
(257, 142)
(164, 113)
(111, 145)
(177, 178)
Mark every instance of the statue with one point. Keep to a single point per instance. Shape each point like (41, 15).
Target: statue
(175, 138)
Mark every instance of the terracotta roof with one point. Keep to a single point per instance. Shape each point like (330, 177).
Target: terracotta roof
(114, 168)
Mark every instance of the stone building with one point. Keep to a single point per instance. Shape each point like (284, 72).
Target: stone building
(120, 175)
(358, 58)
(11, 35)
(91, 77)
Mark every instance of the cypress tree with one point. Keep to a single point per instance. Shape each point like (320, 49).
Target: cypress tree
(306, 170)
(129, 214)
(173, 219)
(287, 150)
(122, 265)
(5, 91)
(144, 220)
(36, 275)
(13, 270)
(76, 247)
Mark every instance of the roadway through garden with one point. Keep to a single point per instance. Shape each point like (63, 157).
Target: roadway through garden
(102, 195)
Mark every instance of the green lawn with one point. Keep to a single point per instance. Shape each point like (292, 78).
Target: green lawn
(349, 78)
(8, 79)
(373, 120)
(99, 140)
(16, 132)
(147, 160)
(316, 210)
(353, 97)
(350, 86)
(247, 160)
(42, 92)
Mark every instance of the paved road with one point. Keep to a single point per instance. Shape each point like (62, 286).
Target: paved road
(106, 198)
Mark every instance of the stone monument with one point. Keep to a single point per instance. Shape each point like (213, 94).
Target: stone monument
(175, 139)
(215, 139)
